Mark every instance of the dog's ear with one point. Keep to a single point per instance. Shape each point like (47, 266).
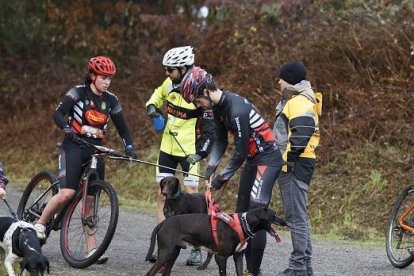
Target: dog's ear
(162, 183)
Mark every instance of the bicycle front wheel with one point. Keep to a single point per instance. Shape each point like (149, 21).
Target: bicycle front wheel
(92, 227)
(399, 242)
(35, 197)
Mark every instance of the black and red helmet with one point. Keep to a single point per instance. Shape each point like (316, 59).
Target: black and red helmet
(192, 82)
(102, 65)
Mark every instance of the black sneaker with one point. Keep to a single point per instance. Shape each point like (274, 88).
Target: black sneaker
(291, 272)
(194, 259)
(247, 273)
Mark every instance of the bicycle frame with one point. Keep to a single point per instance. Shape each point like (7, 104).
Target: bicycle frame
(403, 217)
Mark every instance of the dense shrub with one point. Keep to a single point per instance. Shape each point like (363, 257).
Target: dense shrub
(359, 55)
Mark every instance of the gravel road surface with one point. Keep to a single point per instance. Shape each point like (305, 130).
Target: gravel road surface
(131, 241)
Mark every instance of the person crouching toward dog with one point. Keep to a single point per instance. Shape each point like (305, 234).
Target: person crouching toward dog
(3, 182)
(188, 133)
(254, 143)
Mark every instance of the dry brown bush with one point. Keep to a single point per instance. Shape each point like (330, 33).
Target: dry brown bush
(359, 55)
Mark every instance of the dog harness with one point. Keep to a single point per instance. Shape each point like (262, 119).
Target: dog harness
(231, 219)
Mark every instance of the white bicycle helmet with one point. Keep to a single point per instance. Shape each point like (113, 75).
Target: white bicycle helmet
(179, 57)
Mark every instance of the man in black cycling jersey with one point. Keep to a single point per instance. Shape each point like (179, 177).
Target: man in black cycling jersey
(254, 143)
(88, 108)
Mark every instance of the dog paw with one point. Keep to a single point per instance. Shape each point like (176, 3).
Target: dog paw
(151, 259)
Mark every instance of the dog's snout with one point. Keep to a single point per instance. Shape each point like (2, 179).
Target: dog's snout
(278, 221)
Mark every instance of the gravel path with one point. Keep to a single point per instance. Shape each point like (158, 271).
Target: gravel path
(131, 241)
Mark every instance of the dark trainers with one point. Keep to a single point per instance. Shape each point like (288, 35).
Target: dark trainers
(291, 272)
(247, 273)
(195, 257)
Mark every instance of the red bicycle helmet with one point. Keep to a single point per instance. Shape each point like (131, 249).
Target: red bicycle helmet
(191, 83)
(102, 65)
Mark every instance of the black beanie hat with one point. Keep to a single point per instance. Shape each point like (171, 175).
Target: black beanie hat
(293, 72)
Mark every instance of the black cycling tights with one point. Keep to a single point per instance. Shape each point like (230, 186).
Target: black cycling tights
(255, 190)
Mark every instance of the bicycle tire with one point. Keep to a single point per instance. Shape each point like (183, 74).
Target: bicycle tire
(399, 243)
(29, 208)
(72, 235)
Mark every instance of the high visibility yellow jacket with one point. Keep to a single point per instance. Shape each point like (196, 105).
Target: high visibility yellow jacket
(182, 133)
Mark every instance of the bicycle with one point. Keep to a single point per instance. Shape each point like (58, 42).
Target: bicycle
(90, 217)
(400, 232)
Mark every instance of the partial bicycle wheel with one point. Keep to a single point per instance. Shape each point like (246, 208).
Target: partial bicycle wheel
(81, 234)
(35, 197)
(399, 242)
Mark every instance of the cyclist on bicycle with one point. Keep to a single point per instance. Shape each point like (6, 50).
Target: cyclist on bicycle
(182, 142)
(254, 143)
(84, 113)
(3, 182)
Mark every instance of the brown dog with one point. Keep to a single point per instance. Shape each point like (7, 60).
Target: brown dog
(177, 231)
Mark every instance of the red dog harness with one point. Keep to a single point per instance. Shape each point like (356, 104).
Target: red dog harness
(231, 219)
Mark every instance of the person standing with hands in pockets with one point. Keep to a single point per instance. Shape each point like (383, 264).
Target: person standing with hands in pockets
(296, 129)
(188, 133)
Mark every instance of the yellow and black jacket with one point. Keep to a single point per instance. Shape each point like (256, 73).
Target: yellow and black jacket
(297, 128)
(193, 128)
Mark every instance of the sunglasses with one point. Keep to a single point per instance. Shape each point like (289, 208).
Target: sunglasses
(170, 69)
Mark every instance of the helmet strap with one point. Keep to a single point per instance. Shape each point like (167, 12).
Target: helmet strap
(93, 78)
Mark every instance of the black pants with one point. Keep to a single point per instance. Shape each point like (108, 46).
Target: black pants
(255, 190)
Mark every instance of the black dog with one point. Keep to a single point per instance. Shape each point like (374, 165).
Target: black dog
(20, 242)
(178, 203)
(177, 231)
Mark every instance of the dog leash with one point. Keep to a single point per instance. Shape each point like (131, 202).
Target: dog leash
(154, 164)
(11, 210)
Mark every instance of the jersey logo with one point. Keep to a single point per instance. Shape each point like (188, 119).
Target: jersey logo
(95, 118)
(103, 105)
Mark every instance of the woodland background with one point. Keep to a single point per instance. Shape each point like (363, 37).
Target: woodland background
(359, 54)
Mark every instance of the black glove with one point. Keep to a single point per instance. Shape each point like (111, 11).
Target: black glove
(129, 150)
(151, 111)
(217, 182)
(70, 134)
(193, 158)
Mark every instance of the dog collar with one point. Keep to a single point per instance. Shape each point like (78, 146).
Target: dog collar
(246, 226)
(174, 196)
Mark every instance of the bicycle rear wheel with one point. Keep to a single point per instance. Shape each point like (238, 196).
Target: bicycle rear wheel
(35, 197)
(400, 243)
(95, 230)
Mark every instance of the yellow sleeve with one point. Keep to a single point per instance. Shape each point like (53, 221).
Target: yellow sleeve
(160, 94)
